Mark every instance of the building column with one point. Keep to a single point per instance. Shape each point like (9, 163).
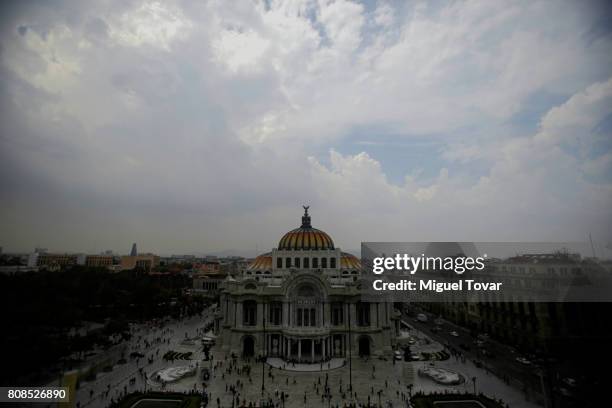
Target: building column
(285, 313)
(324, 348)
(373, 317)
(312, 347)
(323, 317)
(261, 313)
(299, 349)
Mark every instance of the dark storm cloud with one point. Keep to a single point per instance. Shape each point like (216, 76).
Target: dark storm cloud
(191, 126)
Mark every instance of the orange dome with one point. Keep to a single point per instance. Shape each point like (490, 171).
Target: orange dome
(262, 262)
(349, 261)
(306, 237)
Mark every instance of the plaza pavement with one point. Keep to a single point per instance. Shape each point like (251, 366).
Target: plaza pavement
(369, 377)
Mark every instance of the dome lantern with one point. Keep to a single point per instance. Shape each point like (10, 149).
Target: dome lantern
(306, 217)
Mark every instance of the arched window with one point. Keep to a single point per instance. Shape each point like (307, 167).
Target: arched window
(324, 263)
(363, 314)
(337, 313)
(276, 313)
(297, 262)
(315, 262)
(287, 262)
(332, 263)
(306, 263)
(249, 313)
(279, 262)
(306, 316)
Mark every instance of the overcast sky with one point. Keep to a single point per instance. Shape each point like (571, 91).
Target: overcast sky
(194, 126)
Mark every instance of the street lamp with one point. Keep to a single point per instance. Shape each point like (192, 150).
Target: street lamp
(474, 381)
(350, 351)
(263, 360)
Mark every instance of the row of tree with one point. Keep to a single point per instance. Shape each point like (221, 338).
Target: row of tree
(38, 311)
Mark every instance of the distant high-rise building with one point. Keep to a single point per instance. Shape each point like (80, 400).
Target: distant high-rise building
(134, 251)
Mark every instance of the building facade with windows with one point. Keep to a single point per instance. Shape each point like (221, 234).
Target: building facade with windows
(302, 302)
(144, 262)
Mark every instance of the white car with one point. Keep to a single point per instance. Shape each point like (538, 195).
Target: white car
(398, 355)
(454, 334)
(523, 360)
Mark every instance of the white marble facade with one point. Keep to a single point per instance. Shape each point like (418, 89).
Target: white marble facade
(301, 302)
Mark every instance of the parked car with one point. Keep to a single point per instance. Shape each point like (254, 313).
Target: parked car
(454, 333)
(422, 317)
(523, 360)
(569, 381)
(398, 355)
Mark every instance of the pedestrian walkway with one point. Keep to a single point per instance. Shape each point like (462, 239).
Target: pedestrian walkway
(235, 381)
(302, 367)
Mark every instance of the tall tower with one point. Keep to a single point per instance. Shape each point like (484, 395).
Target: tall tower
(134, 250)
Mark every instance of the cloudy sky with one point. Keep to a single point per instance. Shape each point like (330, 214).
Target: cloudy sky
(191, 126)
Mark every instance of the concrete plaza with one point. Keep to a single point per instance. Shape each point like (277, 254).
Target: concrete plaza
(240, 380)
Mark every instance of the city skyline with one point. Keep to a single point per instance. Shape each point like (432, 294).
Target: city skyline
(203, 127)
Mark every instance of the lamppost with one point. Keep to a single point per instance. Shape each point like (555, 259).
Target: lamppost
(263, 360)
(328, 397)
(350, 352)
(474, 381)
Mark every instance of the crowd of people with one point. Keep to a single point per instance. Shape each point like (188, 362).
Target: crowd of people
(236, 381)
(136, 361)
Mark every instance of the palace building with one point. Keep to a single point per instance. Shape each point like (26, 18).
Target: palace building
(302, 302)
